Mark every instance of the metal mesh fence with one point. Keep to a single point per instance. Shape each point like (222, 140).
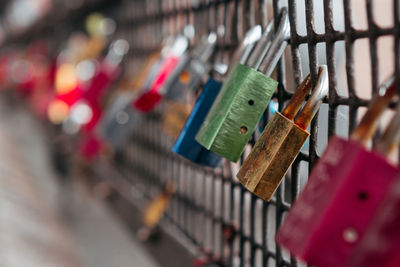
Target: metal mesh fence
(210, 210)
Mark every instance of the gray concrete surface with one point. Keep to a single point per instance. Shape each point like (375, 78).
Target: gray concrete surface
(45, 224)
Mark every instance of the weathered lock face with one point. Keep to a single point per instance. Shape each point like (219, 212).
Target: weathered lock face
(282, 139)
(236, 111)
(381, 244)
(186, 145)
(174, 118)
(274, 152)
(343, 194)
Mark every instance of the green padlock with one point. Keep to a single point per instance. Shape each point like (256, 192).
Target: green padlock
(244, 96)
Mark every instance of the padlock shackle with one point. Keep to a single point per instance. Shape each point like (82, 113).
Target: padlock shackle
(262, 47)
(243, 51)
(117, 50)
(204, 50)
(320, 91)
(370, 121)
(391, 137)
(278, 44)
(297, 99)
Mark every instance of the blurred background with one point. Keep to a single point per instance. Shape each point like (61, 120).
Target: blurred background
(78, 190)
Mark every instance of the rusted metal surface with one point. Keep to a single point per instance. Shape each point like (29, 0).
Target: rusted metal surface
(272, 155)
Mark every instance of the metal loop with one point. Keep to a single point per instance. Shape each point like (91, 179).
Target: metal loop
(314, 102)
(391, 137)
(249, 41)
(369, 123)
(278, 44)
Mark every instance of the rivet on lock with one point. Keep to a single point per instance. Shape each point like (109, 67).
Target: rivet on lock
(282, 140)
(342, 196)
(186, 145)
(244, 96)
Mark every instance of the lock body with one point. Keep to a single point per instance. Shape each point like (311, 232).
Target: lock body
(186, 145)
(236, 111)
(272, 155)
(151, 97)
(168, 73)
(95, 93)
(381, 243)
(120, 126)
(174, 118)
(188, 79)
(342, 196)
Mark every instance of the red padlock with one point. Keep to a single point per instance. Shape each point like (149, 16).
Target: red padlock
(108, 72)
(174, 60)
(91, 101)
(342, 196)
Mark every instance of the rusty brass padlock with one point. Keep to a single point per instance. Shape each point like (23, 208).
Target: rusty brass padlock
(244, 96)
(282, 140)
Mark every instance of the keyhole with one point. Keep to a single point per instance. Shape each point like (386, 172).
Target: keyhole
(243, 130)
(363, 196)
(251, 102)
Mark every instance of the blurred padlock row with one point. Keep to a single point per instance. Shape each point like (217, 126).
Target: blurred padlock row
(208, 112)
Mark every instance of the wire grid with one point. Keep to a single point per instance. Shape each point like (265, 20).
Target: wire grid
(210, 208)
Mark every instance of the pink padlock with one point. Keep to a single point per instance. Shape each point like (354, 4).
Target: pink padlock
(344, 193)
(380, 246)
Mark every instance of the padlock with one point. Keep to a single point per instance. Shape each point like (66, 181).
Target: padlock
(174, 118)
(119, 120)
(145, 74)
(380, 246)
(86, 113)
(282, 140)
(157, 207)
(198, 66)
(244, 97)
(173, 62)
(343, 194)
(178, 110)
(186, 145)
(120, 117)
(93, 96)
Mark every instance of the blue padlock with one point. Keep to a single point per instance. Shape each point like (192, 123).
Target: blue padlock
(186, 145)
